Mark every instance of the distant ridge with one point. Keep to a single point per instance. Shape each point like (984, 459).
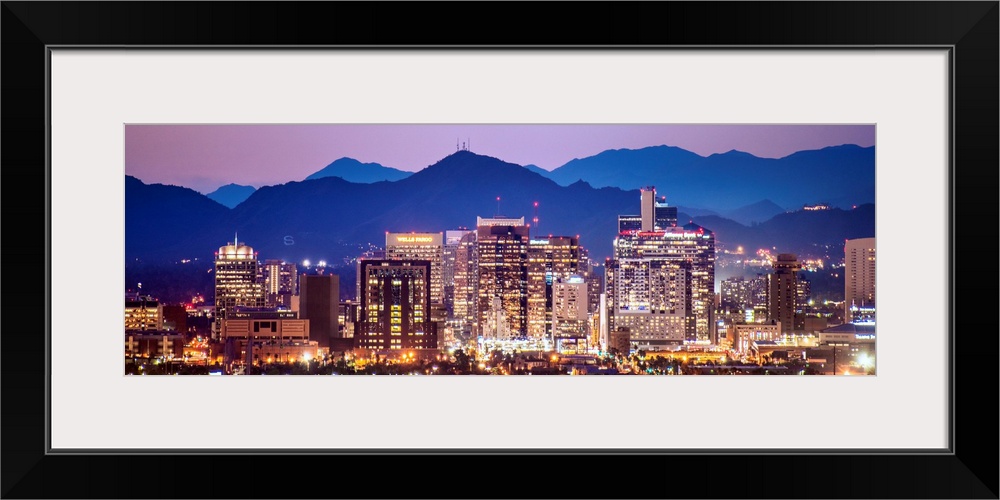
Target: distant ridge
(231, 195)
(353, 170)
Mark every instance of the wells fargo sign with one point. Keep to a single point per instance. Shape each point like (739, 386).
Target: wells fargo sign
(409, 239)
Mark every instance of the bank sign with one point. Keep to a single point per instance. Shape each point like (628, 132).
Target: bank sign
(430, 239)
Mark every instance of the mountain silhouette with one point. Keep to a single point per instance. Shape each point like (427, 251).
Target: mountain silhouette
(538, 170)
(728, 181)
(353, 170)
(335, 220)
(231, 195)
(754, 213)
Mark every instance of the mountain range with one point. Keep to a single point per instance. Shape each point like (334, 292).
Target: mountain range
(331, 218)
(840, 175)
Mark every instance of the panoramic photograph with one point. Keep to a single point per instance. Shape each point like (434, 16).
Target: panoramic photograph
(476, 249)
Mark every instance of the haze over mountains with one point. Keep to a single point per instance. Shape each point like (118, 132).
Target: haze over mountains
(331, 218)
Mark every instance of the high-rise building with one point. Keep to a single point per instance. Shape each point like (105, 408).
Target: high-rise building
(395, 305)
(452, 242)
(655, 213)
(465, 312)
(782, 291)
(549, 259)
(661, 285)
(281, 282)
(502, 249)
(236, 282)
(859, 277)
(570, 324)
(420, 246)
(319, 302)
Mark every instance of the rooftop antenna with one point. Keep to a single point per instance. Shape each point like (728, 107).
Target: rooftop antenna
(535, 219)
(498, 206)
(236, 236)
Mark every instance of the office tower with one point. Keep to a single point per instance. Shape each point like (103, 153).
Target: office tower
(782, 291)
(661, 284)
(236, 282)
(570, 326)
(859, 277)
(452, 242)
(647, 197)
(143, 312)
(280, 282)
(395, 305)
(502, 248)
(466, 302)
(419, 246)
(594, 278)
(664, 215)
(319, 302)
(548, 259)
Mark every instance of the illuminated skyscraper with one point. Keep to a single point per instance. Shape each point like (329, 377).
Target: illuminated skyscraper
(859, 278)
(783, 291)
(419, 246)
(502, 248)
(548, 260)
(466, 301)
(661, 282)
(570, 323)
(236, 281)
(452, 241)
(395, 305)
(281, 281)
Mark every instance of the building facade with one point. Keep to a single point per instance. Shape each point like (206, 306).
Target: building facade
(549, 259)
(143, 312)
(319, 302)
(502, 250)
(281, 282)
(661, 285)
(859, 276)
(465, 305)
(236, 283)
(395, 305)
(420, 246)
(782, 291)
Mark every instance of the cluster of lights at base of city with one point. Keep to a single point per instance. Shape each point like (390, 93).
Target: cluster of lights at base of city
(497, 300)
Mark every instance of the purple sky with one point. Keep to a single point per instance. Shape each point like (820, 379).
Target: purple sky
(204, 157)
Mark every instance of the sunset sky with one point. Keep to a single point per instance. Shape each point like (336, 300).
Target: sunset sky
(204, 157)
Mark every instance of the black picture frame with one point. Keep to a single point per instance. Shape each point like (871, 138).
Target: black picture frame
(970, 29)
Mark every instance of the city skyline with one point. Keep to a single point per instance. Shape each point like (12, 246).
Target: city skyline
(331, 275)
(205, 157)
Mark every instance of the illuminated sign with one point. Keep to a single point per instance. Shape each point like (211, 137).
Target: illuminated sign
(423, 239)
(869, 336)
